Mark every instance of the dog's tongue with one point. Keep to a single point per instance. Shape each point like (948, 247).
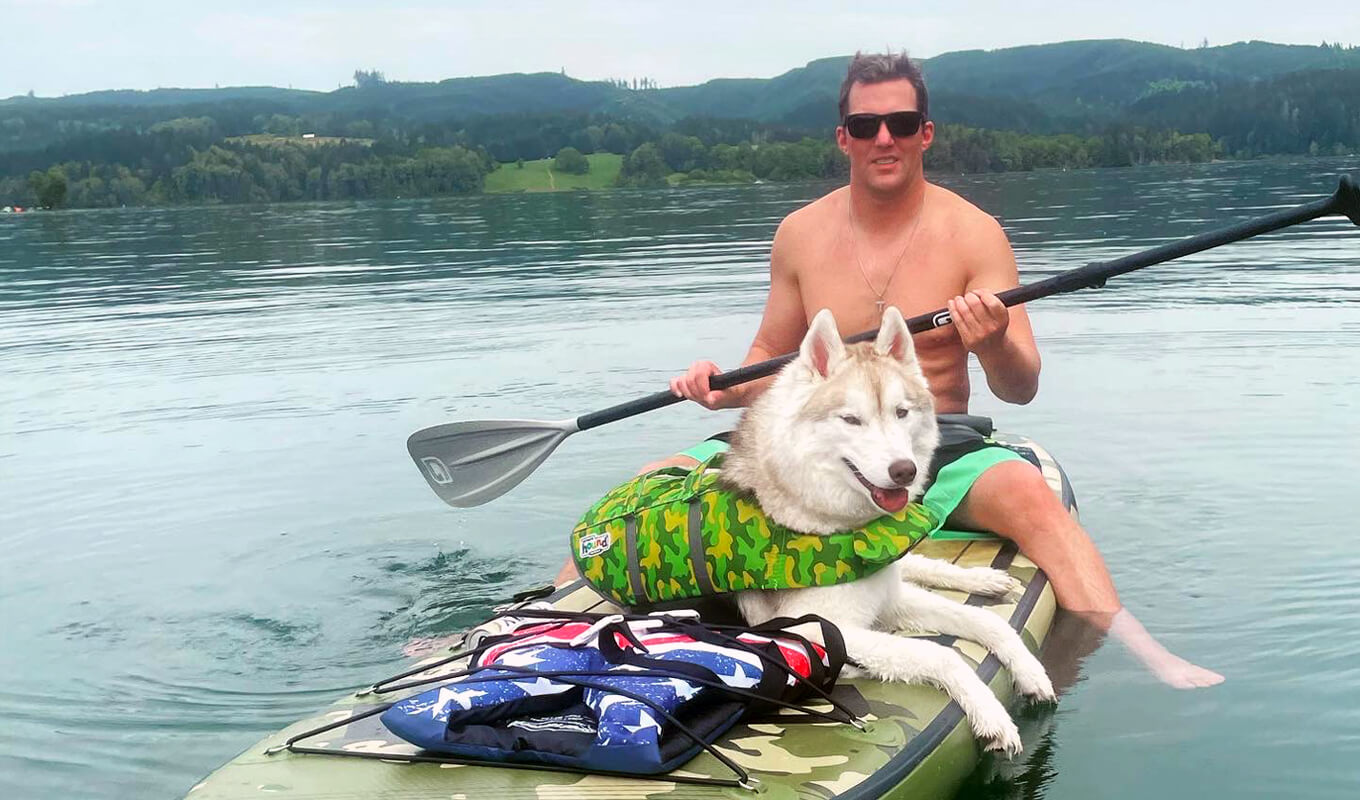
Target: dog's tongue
(890, 500)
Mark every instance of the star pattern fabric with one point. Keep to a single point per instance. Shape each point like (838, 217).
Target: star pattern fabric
(629, 704)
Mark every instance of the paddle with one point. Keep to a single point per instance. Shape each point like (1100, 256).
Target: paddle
(470, 463)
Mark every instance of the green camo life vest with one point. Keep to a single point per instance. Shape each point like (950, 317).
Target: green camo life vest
(675, 534)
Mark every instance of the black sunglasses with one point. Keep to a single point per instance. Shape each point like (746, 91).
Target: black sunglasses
(900, 124)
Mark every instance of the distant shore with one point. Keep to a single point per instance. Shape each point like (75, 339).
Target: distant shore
(539, 177)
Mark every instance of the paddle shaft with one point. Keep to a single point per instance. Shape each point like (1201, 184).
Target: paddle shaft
(1345, 201)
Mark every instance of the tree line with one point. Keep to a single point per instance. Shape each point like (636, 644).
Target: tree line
(957, 150)
(236, 171)
(186, 161)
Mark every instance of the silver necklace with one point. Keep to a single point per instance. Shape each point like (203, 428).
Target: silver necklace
(854, 247)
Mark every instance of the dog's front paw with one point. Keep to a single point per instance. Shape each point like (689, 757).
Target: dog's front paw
(990, 721)
(990, 582)
(999, 736)
(1034, 684)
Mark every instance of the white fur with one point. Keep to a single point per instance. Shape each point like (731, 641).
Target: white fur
(790, 450)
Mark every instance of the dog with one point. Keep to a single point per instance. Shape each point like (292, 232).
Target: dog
(844, 434)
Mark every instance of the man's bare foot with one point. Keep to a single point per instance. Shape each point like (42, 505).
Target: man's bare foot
(1175, 671)
(1169, 668)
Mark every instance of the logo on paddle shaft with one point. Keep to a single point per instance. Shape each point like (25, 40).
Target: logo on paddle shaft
(436, 470)
(940, 320)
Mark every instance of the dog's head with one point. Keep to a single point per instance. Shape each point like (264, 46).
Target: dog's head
(857, 422)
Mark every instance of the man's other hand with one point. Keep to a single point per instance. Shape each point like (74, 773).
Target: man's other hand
(981, 320)
(693, 385)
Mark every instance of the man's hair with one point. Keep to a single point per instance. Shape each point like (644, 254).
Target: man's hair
(881, 67)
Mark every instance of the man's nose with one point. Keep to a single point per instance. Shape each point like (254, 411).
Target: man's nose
(884, 136)
(902, 471)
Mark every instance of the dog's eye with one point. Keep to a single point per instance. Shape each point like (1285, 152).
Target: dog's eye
(901, 413)
(851, 419)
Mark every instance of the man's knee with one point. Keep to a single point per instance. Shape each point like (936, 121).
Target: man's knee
(1011, 493)
(674, 461)
(1018, 477)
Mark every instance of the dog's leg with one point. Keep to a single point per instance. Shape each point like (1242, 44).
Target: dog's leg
(896, 658)
(944, 575)
(853, 608)
(921, 610)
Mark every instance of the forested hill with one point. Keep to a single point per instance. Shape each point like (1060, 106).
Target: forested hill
(1041, 88)
(1071, 104)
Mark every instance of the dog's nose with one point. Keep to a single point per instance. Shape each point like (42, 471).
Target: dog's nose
(902, 471)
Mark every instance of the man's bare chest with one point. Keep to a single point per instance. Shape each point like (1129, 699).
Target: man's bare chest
(856, 292)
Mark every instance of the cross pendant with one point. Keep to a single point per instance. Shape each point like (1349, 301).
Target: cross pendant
(879, 303)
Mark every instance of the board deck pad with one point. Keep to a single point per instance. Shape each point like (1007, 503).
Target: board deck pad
(917, 743)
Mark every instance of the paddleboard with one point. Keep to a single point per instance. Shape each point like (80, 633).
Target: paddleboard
(916, 743)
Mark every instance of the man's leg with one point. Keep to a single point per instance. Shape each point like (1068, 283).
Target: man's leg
(1012, 499)
(568, 572)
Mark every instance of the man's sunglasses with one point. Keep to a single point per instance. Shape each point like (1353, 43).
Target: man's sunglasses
(900, 124)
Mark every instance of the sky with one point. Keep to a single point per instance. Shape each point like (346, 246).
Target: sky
(56, 47)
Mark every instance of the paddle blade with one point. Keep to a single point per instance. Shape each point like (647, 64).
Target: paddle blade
(470, 463)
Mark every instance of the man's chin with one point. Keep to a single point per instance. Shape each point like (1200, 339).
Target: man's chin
(887, 183)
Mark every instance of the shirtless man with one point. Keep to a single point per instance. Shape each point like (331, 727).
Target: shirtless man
(893, 238)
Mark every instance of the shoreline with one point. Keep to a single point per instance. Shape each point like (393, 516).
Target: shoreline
(572, 183)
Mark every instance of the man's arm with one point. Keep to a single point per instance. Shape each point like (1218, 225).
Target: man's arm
(781, 329)
(1001, 338)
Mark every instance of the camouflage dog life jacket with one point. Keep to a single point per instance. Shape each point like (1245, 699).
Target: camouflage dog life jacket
(676, 534)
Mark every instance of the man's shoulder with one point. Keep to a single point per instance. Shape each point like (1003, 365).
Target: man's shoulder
(978, 240)
(817, 212)
(957, 211)
(805, 234)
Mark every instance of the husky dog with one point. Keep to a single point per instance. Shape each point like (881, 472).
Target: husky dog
(844, 434)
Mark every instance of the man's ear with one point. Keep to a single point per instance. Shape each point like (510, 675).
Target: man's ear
(822, 349)
(842, 139)
(893, 337)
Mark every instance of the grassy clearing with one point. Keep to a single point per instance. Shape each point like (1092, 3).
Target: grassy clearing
(538, 176)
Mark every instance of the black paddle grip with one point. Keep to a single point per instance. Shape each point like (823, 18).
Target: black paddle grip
(1347, 198)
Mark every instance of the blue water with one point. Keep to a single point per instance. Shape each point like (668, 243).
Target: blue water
(210, 526)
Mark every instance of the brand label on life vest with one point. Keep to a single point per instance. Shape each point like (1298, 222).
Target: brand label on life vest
(595, 544)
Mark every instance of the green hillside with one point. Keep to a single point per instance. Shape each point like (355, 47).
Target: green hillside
(1314, 112)
(1113, 73)
(295, 98)
(1038, 87)
(467, 97)
(1066, 105)
(1042, 88)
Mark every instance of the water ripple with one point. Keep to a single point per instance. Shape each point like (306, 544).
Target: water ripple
(212, 526)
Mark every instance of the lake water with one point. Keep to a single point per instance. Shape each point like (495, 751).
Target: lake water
(210, 526)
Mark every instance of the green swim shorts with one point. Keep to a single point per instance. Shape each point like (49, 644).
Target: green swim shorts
(965, 452)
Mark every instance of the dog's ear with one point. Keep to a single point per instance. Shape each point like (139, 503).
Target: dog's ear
(822, 348)
(893, 337)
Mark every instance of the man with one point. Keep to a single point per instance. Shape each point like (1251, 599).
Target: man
(892, 238)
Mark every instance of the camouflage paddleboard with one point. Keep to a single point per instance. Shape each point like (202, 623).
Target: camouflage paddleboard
(916, 744)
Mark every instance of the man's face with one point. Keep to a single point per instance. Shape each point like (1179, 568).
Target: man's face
(884, 164)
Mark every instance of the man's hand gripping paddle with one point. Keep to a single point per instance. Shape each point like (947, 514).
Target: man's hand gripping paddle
(470, 463)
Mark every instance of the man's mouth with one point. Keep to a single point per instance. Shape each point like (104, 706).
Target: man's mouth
(891, 500)
(885, 160)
